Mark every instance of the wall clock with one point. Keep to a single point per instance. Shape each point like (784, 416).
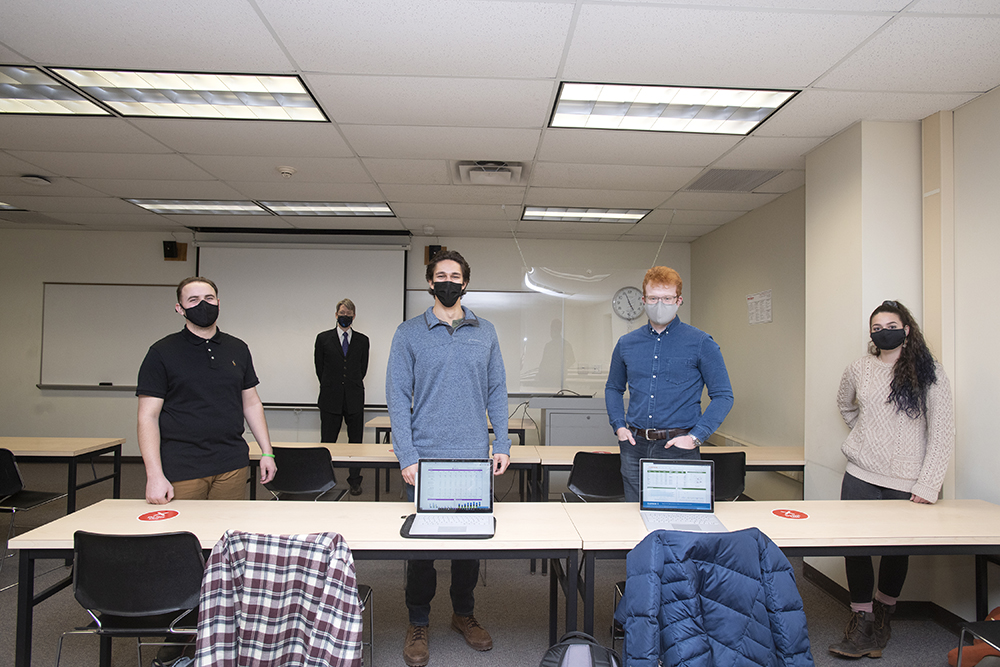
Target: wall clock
(627, 303)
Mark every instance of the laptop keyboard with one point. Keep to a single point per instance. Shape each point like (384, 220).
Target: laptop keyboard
(672, 517)
(451, 522)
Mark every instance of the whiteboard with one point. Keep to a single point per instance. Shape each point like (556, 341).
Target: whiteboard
(99, 333)
(277, 299)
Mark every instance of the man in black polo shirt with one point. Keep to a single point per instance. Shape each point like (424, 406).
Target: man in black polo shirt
(195, 389)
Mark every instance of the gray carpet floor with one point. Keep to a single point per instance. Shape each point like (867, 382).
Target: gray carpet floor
(511, 603)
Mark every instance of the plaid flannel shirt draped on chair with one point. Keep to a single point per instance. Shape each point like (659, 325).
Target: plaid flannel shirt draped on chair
(269, 600)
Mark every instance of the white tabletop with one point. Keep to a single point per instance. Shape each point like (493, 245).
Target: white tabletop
(55, 446)
(365, 525)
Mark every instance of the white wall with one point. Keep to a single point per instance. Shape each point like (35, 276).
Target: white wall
(763, 250)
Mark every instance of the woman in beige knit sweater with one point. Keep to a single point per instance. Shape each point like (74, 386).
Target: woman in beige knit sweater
(898, 404)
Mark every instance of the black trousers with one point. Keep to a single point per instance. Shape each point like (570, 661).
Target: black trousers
(860, 572)
(330, 423)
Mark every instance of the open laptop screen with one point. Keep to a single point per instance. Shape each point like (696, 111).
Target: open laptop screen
(677, 486)
(455, 485)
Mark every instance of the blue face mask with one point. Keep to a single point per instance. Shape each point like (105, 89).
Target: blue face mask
(345, 320)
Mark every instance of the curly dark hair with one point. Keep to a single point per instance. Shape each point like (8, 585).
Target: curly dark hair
(914, 371)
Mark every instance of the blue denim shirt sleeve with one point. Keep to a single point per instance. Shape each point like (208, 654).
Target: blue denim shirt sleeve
(614, 390)
(720, 390)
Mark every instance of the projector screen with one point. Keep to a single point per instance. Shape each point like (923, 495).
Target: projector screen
(277, 299)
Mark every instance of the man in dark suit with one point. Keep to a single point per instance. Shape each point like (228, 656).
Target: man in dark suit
(341, 365)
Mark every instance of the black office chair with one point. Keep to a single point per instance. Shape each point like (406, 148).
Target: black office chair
(595, 478)
(730, 473)
(137, 586)
(304, 473)
(15, 498)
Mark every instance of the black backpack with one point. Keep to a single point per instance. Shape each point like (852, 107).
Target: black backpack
(578, 649)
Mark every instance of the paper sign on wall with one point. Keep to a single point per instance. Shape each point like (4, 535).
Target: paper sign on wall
(759, 307)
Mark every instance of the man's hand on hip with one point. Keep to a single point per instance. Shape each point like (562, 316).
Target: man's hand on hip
(681, 442)
(625, 434)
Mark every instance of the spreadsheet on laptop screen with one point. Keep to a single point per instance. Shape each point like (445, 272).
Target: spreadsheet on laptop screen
(677, 486)
(457, 485)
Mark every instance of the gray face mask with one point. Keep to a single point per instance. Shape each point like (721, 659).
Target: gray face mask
(661, 313)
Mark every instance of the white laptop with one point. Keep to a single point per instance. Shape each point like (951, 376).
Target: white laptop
(454, 498)
(678, 495)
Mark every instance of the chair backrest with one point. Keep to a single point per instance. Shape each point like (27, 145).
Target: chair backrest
(730, 473)
(597, 477)
(302, 470)
(11, 481)
(137, 575)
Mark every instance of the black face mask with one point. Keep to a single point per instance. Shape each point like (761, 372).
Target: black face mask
(888, 339)
(203, 314)
(345, 321)
(448, 293)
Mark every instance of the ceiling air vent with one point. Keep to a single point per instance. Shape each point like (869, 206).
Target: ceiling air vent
(732, 180)
(489, 172)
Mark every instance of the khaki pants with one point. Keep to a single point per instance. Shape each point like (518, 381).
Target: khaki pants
(227, 486)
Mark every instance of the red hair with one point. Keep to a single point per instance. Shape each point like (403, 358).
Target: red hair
(662, 275)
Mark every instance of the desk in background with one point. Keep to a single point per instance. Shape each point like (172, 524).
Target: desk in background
(371, 529)
(71, 451)
(383, 428)
(381, 457)
(948, 527)
(759, 459)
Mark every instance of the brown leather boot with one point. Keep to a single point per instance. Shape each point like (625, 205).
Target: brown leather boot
(859, 637)
(475, 634)
(882, 613)
(416, 651)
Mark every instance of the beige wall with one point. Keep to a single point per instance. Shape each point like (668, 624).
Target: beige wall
(763, 250)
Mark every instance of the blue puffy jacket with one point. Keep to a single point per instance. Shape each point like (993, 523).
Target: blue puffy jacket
(712, 600)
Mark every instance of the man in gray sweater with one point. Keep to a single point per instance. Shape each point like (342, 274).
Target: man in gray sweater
(445, 373)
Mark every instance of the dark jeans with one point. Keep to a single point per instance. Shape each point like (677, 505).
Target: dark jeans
(329, 425)
(891, 569)
(421, 585)
(646, 449)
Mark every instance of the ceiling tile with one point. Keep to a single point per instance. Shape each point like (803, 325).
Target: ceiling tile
(194, 36)
(75, 134)
(72, 204)
(423, 37)
(231, 221)
(455, 194)
(142, 219)
(769, 153)
(163, 189)
(60, 187)
(367, 100)
(710, 47)
(114, 165)
(426, 172)
(719, 201)
(786, 182)
(664, 217)
(342, 222)
(291, 191)
(639, 148)
(549, 174)
(449, 211)
(234, 137)
(446, 143)
(898, 58)
(265, 169)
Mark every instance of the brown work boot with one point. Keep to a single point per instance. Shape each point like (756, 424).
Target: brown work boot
(859, 638)
(416, 652)
(882, 613)
(475, 634)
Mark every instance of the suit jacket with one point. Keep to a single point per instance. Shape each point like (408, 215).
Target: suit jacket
(341, 379)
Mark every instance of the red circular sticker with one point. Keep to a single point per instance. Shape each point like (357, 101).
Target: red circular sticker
(790, 514)
(159, 515)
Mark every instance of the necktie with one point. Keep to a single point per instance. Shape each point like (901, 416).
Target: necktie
(345, 344)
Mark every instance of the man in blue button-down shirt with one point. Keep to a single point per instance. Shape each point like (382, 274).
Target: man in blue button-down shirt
(665, 364)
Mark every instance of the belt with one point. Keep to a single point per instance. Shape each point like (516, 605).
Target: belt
(660, 433)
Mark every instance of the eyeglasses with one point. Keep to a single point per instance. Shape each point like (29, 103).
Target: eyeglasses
(669, 300)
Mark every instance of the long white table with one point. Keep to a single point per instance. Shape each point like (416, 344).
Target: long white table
(833, 528)
(71, 451)
(524, 530)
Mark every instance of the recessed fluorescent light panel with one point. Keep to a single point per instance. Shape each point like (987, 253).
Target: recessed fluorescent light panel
(563, 214)
(378, 210)
(29, 90)
(665, 108)
(185, 95)
(199, 207)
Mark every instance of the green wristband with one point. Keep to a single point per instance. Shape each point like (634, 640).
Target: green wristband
(271, 455)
